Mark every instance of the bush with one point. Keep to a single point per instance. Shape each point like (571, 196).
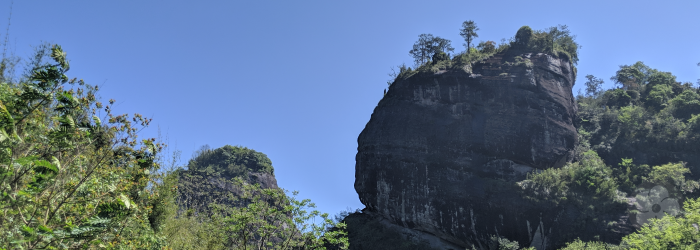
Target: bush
(669, 232)
(578, 244)
(579, 182)
(686, 104)
(68, 179)
(617, 98)
(440, 56)
(658, 96)
(230, 161)
(487, 47)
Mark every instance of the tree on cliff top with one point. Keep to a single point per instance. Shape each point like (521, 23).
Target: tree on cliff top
(427, 46)
(556, 40)
(468, 31)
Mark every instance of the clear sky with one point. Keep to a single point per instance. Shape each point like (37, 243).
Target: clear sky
(298, 80)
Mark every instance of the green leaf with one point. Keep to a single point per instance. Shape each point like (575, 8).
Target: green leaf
(55, 162)
(45, 165)
(28, 231)
(45, 229)
(97, 120)
(125, 200)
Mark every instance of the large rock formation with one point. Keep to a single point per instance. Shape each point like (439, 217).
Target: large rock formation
(215, 176)
(442, 151)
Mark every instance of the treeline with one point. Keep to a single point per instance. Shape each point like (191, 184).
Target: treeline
(75, 175)
(433, 53)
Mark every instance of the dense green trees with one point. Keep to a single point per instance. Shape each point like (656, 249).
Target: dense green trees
(652, 118)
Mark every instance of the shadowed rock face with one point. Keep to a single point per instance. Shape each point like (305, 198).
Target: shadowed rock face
(442, 152)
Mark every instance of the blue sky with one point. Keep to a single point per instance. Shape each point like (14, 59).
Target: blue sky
(298, 80)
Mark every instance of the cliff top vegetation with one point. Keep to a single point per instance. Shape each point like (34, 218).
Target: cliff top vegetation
(432, 53)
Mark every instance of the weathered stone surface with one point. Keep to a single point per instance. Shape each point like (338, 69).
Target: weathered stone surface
(211, 176)
(442, 152)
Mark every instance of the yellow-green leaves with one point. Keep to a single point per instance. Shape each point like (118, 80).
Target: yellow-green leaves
(126, 202)
(60, 56)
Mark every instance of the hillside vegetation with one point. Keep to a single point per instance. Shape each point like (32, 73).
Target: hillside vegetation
(75, 175)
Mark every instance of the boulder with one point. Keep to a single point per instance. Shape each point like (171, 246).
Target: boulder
(443, 151)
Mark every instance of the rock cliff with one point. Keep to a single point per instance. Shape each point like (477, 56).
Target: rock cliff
(442, 151)
(213, 175)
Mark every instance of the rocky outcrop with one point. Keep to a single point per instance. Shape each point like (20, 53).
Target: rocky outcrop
(216, 176)
(442, 151)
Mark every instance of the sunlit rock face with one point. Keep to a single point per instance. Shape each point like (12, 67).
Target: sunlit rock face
(442, 151)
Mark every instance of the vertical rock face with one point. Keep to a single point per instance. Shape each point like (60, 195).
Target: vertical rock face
(443, 150)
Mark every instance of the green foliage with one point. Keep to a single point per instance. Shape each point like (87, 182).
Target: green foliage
(265, 219)
(593, 85)
(656, 77)
(658, 96)
(617, 98)
(428, 45)
(68, 180)
(523, 37)
(230, 161)
(439, 57)
(685, 104)
(564, 43)
(501, 243)
(486, 47)
(651, 115)
(468, 32)
(633, 76)
(669, 232)
(226, 199)
(578, 244)
(632, 119)
(404, 73)
(554, 40)
(694, 124)
(582, 183)
(672, 175)
(629, 176)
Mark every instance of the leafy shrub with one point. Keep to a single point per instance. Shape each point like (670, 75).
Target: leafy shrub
(669, 232)
(554, 40)
(632, 118)
(487, 47)
(658, 96)
(68, 179)
(694, 123)
(686, 104)
(589, 179)
(440, 56)
(630, 175)
(578, 244)
(672, 175)
(617, 98)
(230, 161)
